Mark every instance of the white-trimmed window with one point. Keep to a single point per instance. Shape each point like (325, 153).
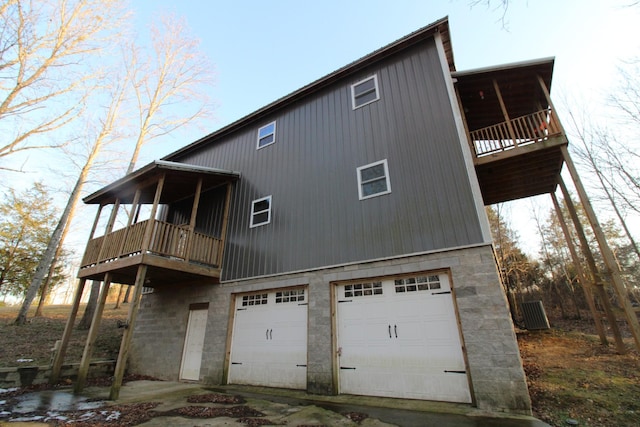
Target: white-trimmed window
(260, 212)
(373, 180)
(365, 92)
(266, 135)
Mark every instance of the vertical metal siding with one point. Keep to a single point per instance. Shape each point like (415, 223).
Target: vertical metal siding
(317, 218)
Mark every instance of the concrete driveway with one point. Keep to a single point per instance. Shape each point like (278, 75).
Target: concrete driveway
(165, 403)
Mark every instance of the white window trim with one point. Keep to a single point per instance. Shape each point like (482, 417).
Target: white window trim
(386, 176)
(254, 213)
(353, 91)
(258, 146)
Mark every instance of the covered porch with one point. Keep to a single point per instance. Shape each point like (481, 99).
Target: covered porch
(163, 242)
(519, 148)
(172, 251)
(514, 132)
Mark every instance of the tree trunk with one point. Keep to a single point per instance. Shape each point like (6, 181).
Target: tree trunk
(87, 317)
(126, 295)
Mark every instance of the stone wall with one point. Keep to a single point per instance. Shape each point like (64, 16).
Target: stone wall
(498, 382)
(31, 375)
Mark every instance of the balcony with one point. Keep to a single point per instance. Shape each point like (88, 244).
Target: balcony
(514, 133)
(173, 252)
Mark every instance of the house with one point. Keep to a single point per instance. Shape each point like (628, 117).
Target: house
(336, 241)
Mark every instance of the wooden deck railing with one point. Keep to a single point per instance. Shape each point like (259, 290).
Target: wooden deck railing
(528, 129)
(167, 240)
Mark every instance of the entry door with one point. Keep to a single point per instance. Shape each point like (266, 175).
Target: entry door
(269, 343)
(400, 338)
(193, 344)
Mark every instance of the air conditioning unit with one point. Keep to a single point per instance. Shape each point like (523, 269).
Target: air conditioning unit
(535, 318)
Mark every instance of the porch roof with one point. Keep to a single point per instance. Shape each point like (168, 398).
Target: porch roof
(519, 86)
(181, 180)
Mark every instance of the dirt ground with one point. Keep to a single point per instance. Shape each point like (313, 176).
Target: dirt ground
(571, 375)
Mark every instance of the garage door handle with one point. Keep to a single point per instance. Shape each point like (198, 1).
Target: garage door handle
(455, 372)
(395, 330)
(270, 334)
(390, 331)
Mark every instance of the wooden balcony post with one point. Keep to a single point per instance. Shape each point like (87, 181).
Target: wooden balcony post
(109, 229)
(503, 107)
(123, 354)
(83, 370)
(152, 216)
(581, 273)
(607, 254)
(95, 222)
(554, 116)
(192, 220)
(58, 359)
(225, 223)
(132, 214)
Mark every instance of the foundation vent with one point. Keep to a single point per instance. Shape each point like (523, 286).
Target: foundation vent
(534, 315)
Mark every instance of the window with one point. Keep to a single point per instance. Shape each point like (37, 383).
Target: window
(363, 289)
(365, 92)
(373, 180)
(260, 212)
(266, 135)
(421, 283)
(257, 299)
(293, 295)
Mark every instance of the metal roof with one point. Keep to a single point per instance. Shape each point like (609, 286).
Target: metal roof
(181, 182)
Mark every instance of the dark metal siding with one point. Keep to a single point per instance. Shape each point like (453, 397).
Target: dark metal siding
(310, 171)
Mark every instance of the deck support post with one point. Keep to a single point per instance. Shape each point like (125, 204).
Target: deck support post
(591, 262)
(613, 270)
(83, 370)
(123, 354)
(581, 273)
(58, 359)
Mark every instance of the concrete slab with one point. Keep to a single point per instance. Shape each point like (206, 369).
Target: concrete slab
(280, 407)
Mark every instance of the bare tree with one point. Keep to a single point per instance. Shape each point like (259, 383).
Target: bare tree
(44, 69)
(175, 74)
(106, 134)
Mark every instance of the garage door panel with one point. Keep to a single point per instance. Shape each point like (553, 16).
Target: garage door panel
(402, 342)
(269, 340)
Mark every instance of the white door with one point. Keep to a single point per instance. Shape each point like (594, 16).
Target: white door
(269, 343)
(400, 338)
(193, 344)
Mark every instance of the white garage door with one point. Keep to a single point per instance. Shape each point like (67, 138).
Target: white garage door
(269, 343)
(400, 338)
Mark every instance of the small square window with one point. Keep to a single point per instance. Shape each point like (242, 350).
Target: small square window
(365, 92)
(260, 212)
(266, 135)
(373, 180)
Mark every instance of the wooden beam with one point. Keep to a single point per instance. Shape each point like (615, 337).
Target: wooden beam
(584, 282)
(192, 220)
(112, 220)
(58, 359)
(607, 254)
(591, 262)
(125, 345)
(83, 370)
(225, 223)
(547, 95)
(152, 216)
(505, 113)
(132, 214)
